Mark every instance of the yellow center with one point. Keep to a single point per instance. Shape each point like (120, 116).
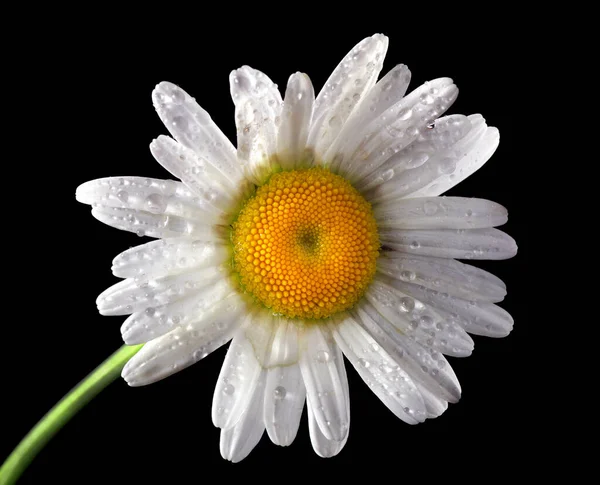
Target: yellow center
(306, 244)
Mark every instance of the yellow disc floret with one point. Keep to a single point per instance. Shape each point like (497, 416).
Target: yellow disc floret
(305, 245)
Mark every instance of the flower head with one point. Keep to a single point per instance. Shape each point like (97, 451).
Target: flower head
(322, 234)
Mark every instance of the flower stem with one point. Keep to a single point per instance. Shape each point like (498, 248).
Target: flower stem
(60, 414)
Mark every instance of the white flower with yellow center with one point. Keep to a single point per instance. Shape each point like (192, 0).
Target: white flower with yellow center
(322, 235)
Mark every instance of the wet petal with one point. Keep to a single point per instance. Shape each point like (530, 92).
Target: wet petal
(322, 367)
(440, 213)
(352, 78)
(192, 126)
(258, 107)
(380, 372)
(157, 225)
(237, 382)
(145, 325)
(238, 441)
(476, 317)
(444, 275)
(146, 196)
(432, 155)
(388, 91)
(186, 345)
(418, 321)
(134, 295)
(450, 243)
(167, 257)
(199, 175)
(284, 400)
(398, 127)
(296, 116)
(425, 366)
(470, 155)
(324, 447)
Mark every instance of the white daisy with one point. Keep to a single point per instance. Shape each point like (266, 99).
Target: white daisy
(322, 235)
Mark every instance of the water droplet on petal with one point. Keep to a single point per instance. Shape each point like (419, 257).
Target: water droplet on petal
(407, 304)
(156, 203)
(323, 356)
(430, 208)
(123, 196)
(279, 392)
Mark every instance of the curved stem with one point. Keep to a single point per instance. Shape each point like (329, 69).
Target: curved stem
(60, 414)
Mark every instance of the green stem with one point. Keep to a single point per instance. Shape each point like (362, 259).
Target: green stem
(60, 414)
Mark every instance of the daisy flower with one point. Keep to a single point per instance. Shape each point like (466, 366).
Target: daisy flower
(323, 234)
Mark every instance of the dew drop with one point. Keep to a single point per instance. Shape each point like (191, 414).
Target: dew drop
(404, 114)
(123, 196)
(430, 208)
(417, 160)
(323, 356)
(387, 175)
(447, 166)
(334, 122)
(408, 275)
(364, 363)
(228, 389)
(426, 320)
(178, 96)
(427, 98)
(156, 203)
(407, 304)
(180, 122)
(279, 392)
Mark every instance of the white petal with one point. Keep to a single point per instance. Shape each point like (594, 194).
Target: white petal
(477, 317)
(388, 91)
(143, 326)
(380, 372)
(295, 123)
(435, 153)
(418, 321)
(398, 127)
(450, 243)
(434, 405)
(192, 126)
(237, 382)
(238, 441)
(445, 275)
(185, 346)
(440, 213)
(209, 184)
(323, 446)
(168, 257)
(425, 366)
(154, 225)
(146, 196)
(284, 400)
(473, 156)
(257, 113)
(322, 367)
(352, 78)
(282, 347)
(134, 295)
(114, 300)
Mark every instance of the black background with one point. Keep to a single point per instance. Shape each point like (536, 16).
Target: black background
(92, 82)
